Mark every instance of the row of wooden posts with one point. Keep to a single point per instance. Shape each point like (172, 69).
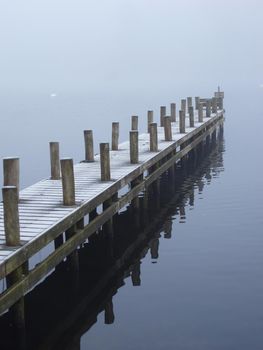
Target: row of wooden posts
(63, 168)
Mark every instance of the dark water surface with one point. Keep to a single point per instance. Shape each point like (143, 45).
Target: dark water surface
(195, 280)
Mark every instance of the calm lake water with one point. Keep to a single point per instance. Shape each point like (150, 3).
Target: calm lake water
(196, 281)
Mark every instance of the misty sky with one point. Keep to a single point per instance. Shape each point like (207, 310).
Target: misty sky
(82, 45)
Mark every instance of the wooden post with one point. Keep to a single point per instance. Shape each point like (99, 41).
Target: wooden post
(115, 136)
(208, 108)
(105, 162)
(134, 123)
(173, 112)
(11, 172)
(181, 122)
(220, 103)
(191, 117)
(68, 183)
(134, 147)
(189, 103)
(54, 160)
(183, 105)
(200, 113)
(11, 215)
(214, 104)
(197, 102)
(167, 129)
(153, 138)
(149, 119)
(89, 149)
(162, 114)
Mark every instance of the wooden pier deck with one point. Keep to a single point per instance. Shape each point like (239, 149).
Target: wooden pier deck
(43, 217)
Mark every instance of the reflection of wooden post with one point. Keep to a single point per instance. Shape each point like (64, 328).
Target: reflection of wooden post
(149, 119)
(135, 203)
(105, 162)
(154, 247)
(134, 123)
(134, 147)
(173, 112)
(162, 114)
(167, 128)
(89, 149)
(68, 183)
(11, 172)
(115, 136)
(181, 122)
(135, 274)
(191, 117)
(109, 313)
(153, 138)
(167, 228)
(54, 160)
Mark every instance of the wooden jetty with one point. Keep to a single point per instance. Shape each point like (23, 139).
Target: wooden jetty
(64, 208)
(104, 269)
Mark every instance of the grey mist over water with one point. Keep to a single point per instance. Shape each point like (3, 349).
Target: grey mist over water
(66, 67)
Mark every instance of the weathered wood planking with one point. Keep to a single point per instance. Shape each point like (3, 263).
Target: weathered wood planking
(42, 214)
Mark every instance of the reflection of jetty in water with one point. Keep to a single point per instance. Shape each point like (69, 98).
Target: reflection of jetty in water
(66, 305)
